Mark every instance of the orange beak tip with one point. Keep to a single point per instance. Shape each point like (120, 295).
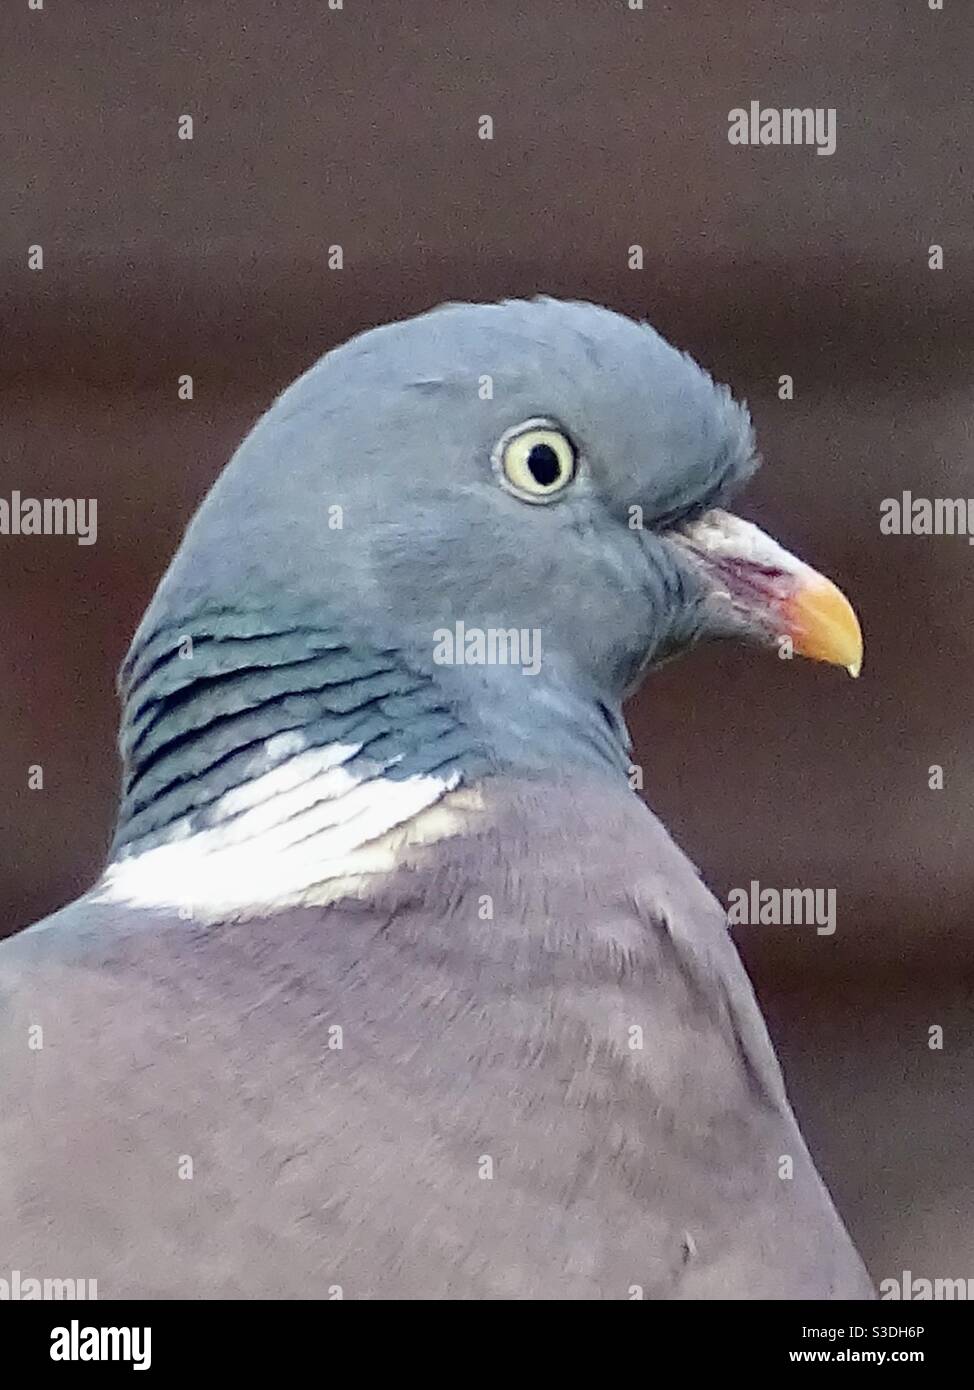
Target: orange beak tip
(824, 625)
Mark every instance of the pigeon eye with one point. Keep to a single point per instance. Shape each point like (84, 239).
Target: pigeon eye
(535, 460)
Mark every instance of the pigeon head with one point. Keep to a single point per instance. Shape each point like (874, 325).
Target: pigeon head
(500, 515)
(540, 465)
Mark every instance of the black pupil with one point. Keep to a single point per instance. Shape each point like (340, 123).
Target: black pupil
(543, 465)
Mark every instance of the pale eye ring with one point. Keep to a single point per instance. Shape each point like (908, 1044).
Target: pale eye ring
(535, 460)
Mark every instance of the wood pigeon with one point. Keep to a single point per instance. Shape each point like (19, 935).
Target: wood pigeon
(393, 986)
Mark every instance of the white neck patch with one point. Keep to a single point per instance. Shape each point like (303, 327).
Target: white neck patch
(308, 832)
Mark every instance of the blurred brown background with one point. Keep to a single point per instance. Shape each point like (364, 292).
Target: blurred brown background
(359, 127)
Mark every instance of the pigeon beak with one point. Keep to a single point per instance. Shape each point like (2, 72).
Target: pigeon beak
(755, 588)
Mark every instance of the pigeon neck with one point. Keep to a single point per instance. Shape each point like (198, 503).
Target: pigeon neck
(268, 765)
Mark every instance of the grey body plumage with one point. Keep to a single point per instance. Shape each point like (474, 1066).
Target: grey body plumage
(486, 947)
